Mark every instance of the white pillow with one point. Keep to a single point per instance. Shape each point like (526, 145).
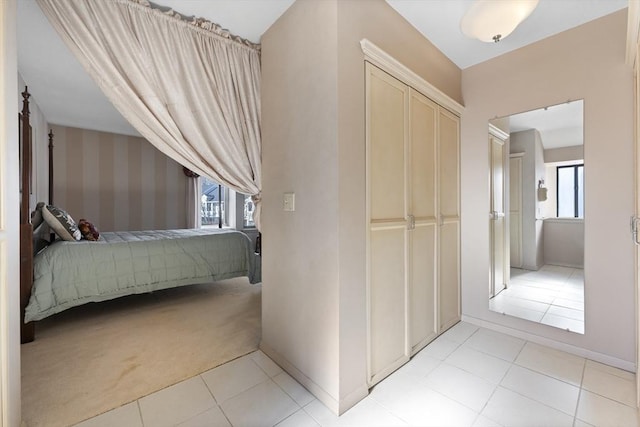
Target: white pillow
(61, 222)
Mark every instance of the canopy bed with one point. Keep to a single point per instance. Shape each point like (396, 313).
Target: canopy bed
(192, 90)
(60, 273)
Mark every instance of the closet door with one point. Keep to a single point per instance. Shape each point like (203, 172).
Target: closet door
(387, 111)
(422, 208)
(449, 239)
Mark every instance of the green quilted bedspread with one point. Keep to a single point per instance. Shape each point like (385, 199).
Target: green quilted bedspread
(67, 274)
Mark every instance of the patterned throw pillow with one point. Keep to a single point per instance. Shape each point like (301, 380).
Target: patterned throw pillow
(88, 230)
(61, 222)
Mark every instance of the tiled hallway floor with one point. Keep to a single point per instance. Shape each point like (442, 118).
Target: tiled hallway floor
(553, 295)
(469, 376)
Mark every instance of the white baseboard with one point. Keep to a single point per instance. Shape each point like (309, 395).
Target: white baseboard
(352, 398)
(337, 407)
(558, 345)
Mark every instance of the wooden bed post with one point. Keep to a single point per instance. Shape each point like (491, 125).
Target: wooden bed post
(50, 166)
(27, 332)
(52, 236)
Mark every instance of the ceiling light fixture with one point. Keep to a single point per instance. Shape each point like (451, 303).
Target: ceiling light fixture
(493, 20)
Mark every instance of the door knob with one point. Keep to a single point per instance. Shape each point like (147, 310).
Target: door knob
(496, 215)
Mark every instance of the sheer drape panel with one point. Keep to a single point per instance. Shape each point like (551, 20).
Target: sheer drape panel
(193, 94)
(194, 217)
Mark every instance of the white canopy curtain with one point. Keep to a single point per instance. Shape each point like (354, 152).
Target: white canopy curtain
(191, 89)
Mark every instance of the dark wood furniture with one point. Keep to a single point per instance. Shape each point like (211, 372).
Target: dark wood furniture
(27, 332)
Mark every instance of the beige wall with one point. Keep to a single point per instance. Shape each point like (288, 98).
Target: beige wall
(117, 182)
(299, 154)
(564, 154)
(564, 242)
(584, 63)
(314, 300)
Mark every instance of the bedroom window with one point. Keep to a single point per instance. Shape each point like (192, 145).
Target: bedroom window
(570, 191)
(222, 207)
(214, 202)
(248, 212)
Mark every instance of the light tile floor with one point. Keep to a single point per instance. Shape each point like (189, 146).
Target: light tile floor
(553, 295)
(469, 376)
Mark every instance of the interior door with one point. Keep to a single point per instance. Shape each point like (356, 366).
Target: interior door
(497, 216)
(423, 234)
(387, 116)
(9, 220)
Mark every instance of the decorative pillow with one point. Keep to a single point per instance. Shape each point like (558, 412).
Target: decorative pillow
(36, 215)
(61, 222)
(88, 230)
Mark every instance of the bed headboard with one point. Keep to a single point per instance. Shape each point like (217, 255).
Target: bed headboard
(27, 331)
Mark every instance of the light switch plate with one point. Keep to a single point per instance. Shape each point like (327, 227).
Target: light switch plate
(289, 202)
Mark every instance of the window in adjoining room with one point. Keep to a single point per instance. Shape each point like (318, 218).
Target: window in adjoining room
(249, 207)
(570, 191)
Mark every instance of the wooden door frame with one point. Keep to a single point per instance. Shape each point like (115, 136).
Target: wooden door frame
(10, 383)
(632, 58)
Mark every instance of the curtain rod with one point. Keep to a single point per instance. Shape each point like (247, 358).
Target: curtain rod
(200, 23)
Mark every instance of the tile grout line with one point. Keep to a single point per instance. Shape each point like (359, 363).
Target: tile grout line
(478, 413)
(556, 296)
(440, 362)
(311, 415)
(139, 412)
(543, 374)
(218, 404)
(575, 415)
(602, 395)
(280, 387)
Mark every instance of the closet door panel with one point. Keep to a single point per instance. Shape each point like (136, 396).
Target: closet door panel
(387, 109)
(387, 301)
(422, 158)
(422, 205)
(422, 289)
(449, 290)
(388, 118)
(449, 165)
(449, 238)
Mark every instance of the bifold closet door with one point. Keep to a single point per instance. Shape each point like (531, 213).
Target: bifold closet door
(387, 108)
(449, 239)
(422, 207)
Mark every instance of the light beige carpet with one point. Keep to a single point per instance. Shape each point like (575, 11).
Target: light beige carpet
(94, 358)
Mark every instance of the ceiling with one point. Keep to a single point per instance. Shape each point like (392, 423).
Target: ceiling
(67, 95)
(439, 21)
(559, 125)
